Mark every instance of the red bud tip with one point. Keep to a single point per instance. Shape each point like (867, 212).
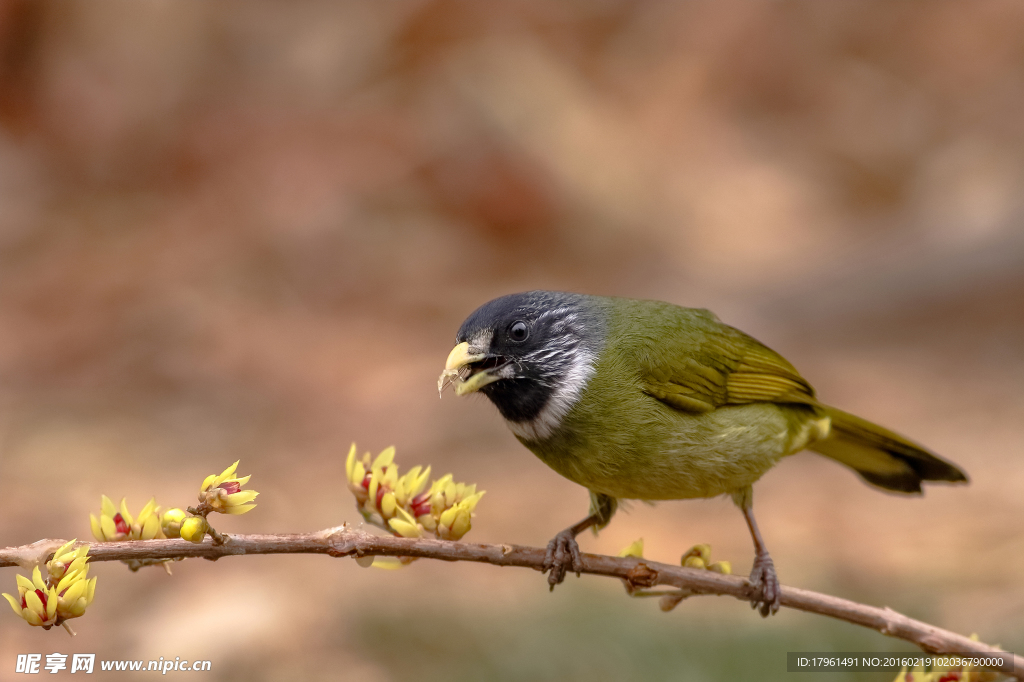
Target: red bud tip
(40, 594)
(420, 505)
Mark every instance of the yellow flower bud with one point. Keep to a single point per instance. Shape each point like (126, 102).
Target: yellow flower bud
(455, 522)
(72, 602)
(194, 529)
(693, 562)
(63, 558)
(147, 523)
(111, 525)
(699, 556)
(388, 505)
(405, 525)
(385, 458)
(36, 603)
(391, 563)
(170, 522)
(702, 552)
(635, 548)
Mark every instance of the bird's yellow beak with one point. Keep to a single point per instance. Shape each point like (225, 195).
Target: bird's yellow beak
(461, 356)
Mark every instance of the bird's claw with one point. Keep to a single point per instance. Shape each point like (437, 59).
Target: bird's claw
(767, 595)
(562, 552)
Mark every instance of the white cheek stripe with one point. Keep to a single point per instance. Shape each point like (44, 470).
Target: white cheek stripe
(561, 400)
(482, 340)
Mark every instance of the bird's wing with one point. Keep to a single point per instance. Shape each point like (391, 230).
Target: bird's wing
(722, 367)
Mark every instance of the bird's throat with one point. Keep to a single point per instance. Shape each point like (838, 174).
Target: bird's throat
(519, 400)
(535, 408)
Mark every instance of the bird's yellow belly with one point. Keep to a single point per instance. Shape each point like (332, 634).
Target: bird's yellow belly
(675, 455)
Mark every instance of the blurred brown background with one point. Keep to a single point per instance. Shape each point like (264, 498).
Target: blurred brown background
(250, 230)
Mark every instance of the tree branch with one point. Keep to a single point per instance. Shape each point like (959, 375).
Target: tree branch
(344, 541)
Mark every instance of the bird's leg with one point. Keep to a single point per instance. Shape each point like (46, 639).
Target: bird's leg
(767, 594)
(563, 550)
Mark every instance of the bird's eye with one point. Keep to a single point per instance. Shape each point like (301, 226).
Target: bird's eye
(518, 331)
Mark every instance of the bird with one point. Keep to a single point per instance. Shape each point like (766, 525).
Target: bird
(647, 400)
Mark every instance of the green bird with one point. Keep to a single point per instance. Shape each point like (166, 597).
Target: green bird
(651, 401)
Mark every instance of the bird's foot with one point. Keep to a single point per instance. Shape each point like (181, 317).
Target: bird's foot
(563, 552)
(767, 595)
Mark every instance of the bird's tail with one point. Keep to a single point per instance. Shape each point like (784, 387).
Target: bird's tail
(882, 457)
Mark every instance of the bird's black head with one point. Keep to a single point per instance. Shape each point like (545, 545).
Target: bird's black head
(530, 353)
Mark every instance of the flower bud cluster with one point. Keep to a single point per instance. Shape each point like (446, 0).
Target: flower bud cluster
(404, 504)
(65, 593)
(699, 556)
(223, 492)
(116, 524)
(220, 493)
